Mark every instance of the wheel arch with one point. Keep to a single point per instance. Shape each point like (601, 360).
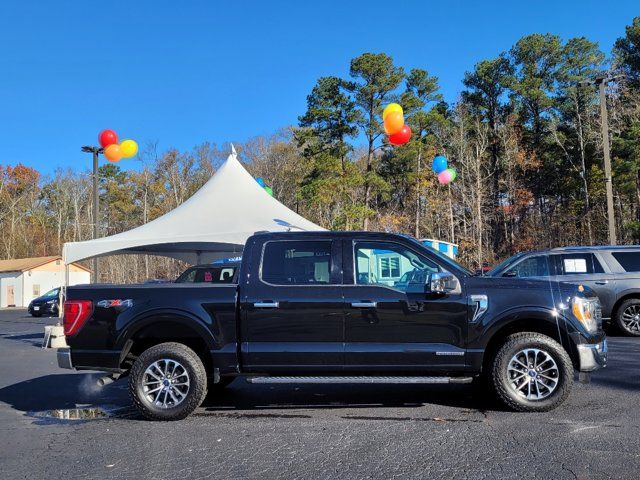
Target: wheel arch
(166, 326)
(626, 295)
(529, 323)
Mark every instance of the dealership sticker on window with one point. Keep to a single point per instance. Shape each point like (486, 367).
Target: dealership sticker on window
(575, 265)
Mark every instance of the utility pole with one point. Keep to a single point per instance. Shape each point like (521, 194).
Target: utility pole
(95, 151)
(601, 81)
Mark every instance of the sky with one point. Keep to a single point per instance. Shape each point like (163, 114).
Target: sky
(182, 73)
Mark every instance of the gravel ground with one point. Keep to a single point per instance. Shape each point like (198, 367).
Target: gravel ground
(309, 431)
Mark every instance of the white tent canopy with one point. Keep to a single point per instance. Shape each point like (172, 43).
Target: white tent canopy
(215, 222)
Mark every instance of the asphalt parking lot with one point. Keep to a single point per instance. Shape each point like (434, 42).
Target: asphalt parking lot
(308, 431)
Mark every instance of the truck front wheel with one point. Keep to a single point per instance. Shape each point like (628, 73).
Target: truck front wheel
(167, 382)
(531, 372)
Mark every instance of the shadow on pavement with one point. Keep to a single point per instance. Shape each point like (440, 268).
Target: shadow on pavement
(68, 391)
(63, 391)
(242, 396)
(33, 339)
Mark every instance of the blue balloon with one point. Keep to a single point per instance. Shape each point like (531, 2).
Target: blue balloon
(261, 181)
(439, 164)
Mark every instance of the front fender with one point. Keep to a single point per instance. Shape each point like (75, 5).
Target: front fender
(489, 325)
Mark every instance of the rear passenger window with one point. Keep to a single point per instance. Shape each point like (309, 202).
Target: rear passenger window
(630, 261)
(579, 263)
(297, 263)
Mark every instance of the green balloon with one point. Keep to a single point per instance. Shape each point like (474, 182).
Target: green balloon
(269, 190)
(453, 172)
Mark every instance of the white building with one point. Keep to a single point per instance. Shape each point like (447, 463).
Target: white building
(23, 279)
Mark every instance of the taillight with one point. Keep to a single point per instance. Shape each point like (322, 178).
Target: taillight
(76, 312)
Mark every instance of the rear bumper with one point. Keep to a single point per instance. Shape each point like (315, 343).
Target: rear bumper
(101, 360)
(64, 358)
(592, 356)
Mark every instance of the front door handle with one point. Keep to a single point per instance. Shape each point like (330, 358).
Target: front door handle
(364, 304)
(602, 282)
(266, 304)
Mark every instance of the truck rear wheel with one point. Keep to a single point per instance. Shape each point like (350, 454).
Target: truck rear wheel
(167, 382)
(531, 372)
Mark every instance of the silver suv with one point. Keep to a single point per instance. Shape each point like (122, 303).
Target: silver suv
(612, 272)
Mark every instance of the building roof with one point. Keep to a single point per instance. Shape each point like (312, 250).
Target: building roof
(24, 264)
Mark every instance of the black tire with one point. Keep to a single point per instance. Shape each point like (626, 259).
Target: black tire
(194, 393)
(504, 387)
(628, 307)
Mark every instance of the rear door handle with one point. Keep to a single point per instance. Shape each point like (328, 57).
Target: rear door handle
(602, 282)
(364, 304)
(266, 304)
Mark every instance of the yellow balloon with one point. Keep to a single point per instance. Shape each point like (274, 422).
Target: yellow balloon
(128, 148)
(392, 107)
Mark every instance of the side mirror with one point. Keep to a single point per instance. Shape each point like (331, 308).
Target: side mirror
(510, 273)
(443, 282)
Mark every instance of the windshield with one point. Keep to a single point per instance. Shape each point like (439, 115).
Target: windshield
(441, 256)
(504, 264)
(51, 293)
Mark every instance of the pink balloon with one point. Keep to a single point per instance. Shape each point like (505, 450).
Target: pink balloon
(445, 177)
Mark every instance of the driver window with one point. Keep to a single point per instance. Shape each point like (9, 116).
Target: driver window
(391, 265)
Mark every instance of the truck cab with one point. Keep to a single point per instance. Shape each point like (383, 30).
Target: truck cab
(337, 307)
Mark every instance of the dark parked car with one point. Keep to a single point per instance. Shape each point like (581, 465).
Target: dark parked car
(46, 304)
(213, 273)
(330, 307)
(612, 272)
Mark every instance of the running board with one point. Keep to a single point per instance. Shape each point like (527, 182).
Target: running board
(360, 379)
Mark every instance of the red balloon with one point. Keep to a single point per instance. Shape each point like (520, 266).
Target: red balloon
(401, 137)
(107, 137)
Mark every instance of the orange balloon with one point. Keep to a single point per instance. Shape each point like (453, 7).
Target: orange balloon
(393, 122)
(113, 153)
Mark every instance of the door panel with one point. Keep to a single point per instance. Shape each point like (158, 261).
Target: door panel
(588, 270)
(294, 311)
(405, 329)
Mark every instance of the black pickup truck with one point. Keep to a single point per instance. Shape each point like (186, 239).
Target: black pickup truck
(336, 307)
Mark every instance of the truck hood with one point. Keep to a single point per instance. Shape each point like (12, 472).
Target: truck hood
(528, 288)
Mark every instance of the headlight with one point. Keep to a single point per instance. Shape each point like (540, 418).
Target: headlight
(587, 311)
(51, 302)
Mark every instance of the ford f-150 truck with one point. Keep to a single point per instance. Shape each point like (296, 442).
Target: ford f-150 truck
(336, 307)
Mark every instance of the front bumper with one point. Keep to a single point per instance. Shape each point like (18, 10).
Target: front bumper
(43, 309)
(592, 356)
(64, 358)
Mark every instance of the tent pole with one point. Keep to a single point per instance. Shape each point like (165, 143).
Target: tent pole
(63, 291)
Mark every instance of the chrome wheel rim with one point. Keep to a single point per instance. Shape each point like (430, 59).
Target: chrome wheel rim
(533, 374)
(631, 318)
(165, 383)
